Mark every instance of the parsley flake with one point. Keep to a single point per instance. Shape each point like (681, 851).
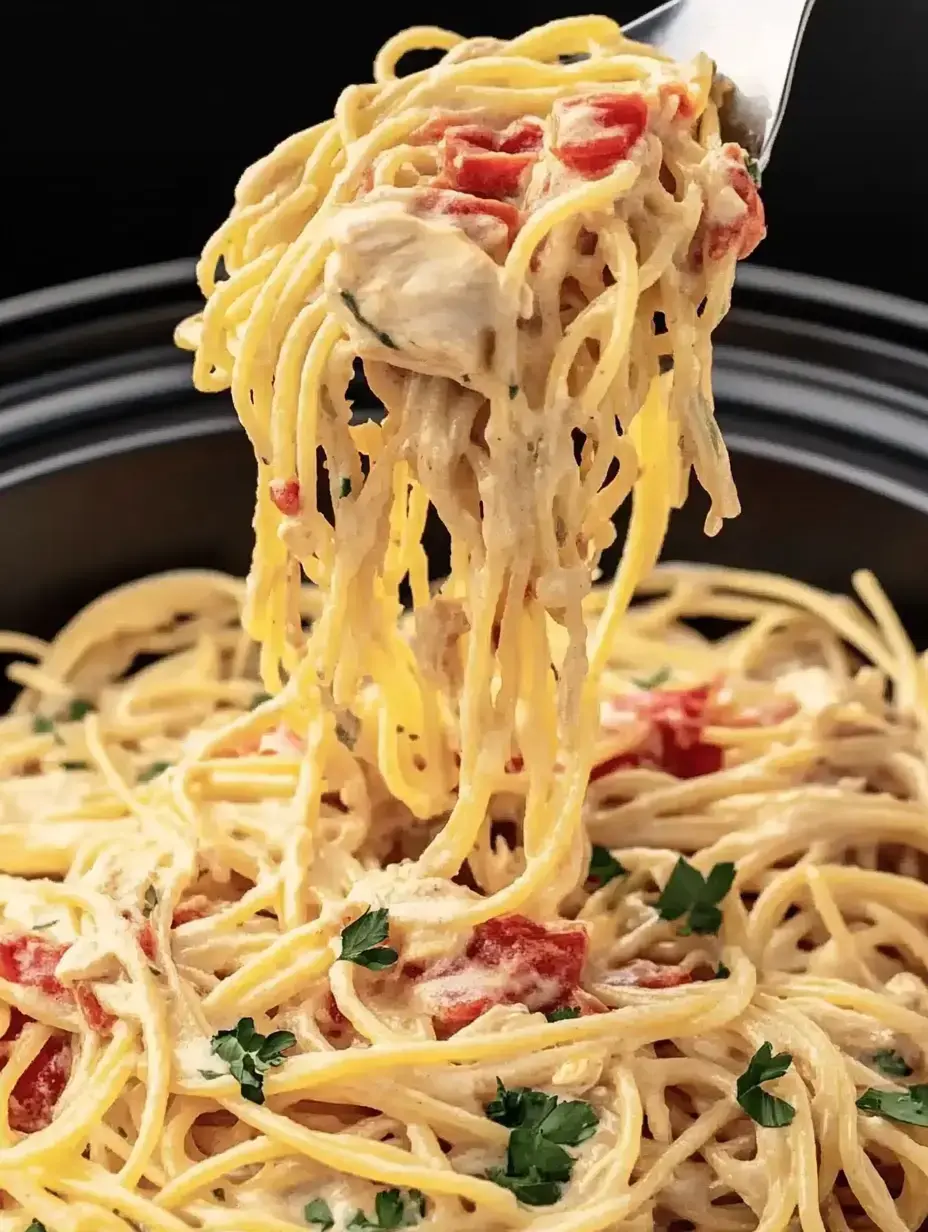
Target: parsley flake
(765, 1109)
(74, 765)
(513, 391)
(77, 709)
(249, 1055)
(258, 700)
(560, 1015)
(654, 681)
(38, 928)
(352, 305)
(392, 1209)
(909, 1107)
(688, 892)
(152, 771)
(35, 1226)
(752, 166)
(891, 1063)
(361, 941)
(151, 901)
(344, 487)
(537, 1165)
(604, 867)
(319, 1212)
(42, 727)
(723, 972)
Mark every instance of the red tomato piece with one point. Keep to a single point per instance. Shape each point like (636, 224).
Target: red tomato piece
(746, 232)
(642, 973)
(477, 159)
(677, 90)
(673, 741)
(31, 961)
(147, 942)
(594, 132)
(35, 1096)
(285, 493)
(93, 1013)
(510, 960)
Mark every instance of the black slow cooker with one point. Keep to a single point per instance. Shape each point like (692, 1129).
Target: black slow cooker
(112, 466)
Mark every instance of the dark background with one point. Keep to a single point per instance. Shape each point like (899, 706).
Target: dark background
(125, 127)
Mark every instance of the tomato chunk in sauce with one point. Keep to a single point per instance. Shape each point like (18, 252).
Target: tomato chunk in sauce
(593, 132)
(510, 960)
(674, 719)
(643, 973)
(36, 1093)
(31, 961)
(478, 160)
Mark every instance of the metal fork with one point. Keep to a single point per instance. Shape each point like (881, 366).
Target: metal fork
(754, 43)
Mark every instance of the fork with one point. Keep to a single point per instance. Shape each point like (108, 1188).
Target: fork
(754, 44)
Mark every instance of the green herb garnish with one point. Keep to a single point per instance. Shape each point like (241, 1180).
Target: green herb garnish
(74, 765)
(42, 727)
(688, 892)
(604, 867)
(513, 391)
(361, 941)
(752, 166)
(909, 1107)
(392, 1209)
(723, 973)
(151, 901)
(765, 1109)
(654, 681)
(35, 1226)
(891, 1063)
(344, 487)
(77, 709)
(562, 1014)
(352, 305)
(319, 1212)
(152, 771)
(536, 1163)
(38, 928)
(258, 700)
(249, 1055)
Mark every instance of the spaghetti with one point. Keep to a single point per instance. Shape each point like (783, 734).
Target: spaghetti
(529, 908)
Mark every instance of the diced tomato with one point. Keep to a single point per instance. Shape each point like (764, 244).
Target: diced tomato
(642, 973)
(510, 960)
(673, 741)
(93, 1013)
(475, 159)
(285, 493)
(147, 941)
(463, 205)
(596, 131)
(31, 961)
(743, 234)
(35, 1096)
(333, 1013)
(197, 907)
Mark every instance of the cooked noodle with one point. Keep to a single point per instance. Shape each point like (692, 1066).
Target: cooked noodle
(526, 851)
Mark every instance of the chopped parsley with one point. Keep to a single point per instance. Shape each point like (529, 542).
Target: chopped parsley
(249, 1055)
(77, 709)
(765, 1109)
(573, 57)
(513, 391)
(35, 1226)
(392, 1209)
(752, 166)
(152, 771)
(537, 1165)
(654, 681)
(43, 727)
(319, 1212)
(909, 1107)
(361, 941)
(38, 928)
(151, 901)
(74, 765)
(560, 1015)
(723, 973)
(604, 867)
(259, 699)
(344, 487)
(687, 892)
(352, 305)
(891, 1063)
